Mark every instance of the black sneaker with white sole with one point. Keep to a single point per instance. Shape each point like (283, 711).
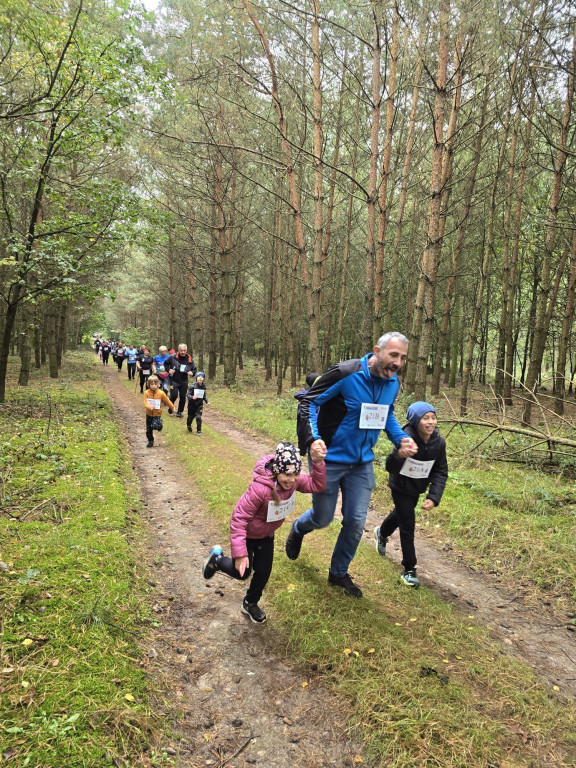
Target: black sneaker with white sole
(253, 611)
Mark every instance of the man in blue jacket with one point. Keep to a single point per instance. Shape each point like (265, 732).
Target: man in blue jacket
(340, 419)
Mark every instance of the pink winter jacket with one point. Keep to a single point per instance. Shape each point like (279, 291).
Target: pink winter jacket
(249, 516)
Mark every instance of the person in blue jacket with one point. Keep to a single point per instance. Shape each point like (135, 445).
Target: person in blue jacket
(340, 419)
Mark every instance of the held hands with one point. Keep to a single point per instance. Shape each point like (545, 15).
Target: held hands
(428, 505)
(318, 451)
(241, 564)
(407, 448)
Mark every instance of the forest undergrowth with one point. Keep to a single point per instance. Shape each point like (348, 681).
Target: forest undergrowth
(74, 600)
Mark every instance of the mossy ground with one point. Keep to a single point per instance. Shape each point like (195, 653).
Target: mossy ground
(74, 600)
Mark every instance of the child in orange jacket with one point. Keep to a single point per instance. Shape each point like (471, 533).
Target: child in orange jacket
(154, 398)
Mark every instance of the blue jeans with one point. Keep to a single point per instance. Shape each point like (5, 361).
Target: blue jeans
(356, 481)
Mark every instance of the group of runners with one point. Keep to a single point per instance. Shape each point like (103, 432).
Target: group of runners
(170, 372)
(339, 419)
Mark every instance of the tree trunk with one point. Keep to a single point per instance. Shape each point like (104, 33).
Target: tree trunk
(294, 191)
(458, 250)
(393, 277)
(26, 352)
(542, 310)
(567, 323)
(424, 305)
(383, 209)
(376, 103)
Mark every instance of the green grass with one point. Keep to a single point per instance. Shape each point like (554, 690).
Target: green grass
(425, 686)
(73, 600)
(502, 517)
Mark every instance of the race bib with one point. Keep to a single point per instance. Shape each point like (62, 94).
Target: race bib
(417, 470)
(182, 369)
(160, 369)
(146, 373)
(153, 403)
(199, 393)
(373, 416)
(280, 511)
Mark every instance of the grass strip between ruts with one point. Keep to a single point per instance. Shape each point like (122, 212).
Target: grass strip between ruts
(427, 686)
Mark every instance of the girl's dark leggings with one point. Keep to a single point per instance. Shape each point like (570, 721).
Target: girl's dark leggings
(261, 556)
(403, 516)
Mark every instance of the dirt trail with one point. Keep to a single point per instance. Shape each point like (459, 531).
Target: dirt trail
(243, 705)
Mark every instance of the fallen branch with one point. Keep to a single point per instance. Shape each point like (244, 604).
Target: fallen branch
(538, 435)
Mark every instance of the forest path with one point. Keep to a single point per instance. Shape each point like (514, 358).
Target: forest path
(242, 703)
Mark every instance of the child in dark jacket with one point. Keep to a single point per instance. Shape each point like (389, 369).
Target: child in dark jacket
(426, 470)
(196, 399)
(258, 513)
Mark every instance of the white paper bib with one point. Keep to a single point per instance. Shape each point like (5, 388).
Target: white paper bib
(373, 416)
(280, 511)
(199, 393)
(153, 403)
(417, 470)
(182, 369)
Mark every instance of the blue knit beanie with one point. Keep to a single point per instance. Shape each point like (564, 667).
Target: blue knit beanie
(417, 410)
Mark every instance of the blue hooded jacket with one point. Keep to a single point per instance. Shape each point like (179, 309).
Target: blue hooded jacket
(331, 411)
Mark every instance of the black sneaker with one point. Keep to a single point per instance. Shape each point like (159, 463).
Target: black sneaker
(346, 583)
(189, 428)
(180, 415)
(150, 444)
(252, 610)
(293, 543)
(209, 568)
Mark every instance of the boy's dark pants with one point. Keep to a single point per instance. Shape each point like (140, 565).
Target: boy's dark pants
(261, 556)
(179, 390)
(403, 516)
(131, 371)
(149, 432)
(195, 412)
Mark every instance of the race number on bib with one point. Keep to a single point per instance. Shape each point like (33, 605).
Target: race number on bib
(280, 511)
(146, 373)
(199, 393)
(373, 416)
(182, 369)
(418, 470)
(153, 403)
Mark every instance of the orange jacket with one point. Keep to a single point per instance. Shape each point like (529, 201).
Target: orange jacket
(158, 395)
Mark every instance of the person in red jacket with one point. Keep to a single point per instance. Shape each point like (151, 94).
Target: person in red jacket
(258, 513)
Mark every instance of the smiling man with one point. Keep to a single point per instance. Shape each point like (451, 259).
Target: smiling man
(340, 419)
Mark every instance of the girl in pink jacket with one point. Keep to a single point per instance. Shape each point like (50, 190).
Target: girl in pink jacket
(258, 513)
